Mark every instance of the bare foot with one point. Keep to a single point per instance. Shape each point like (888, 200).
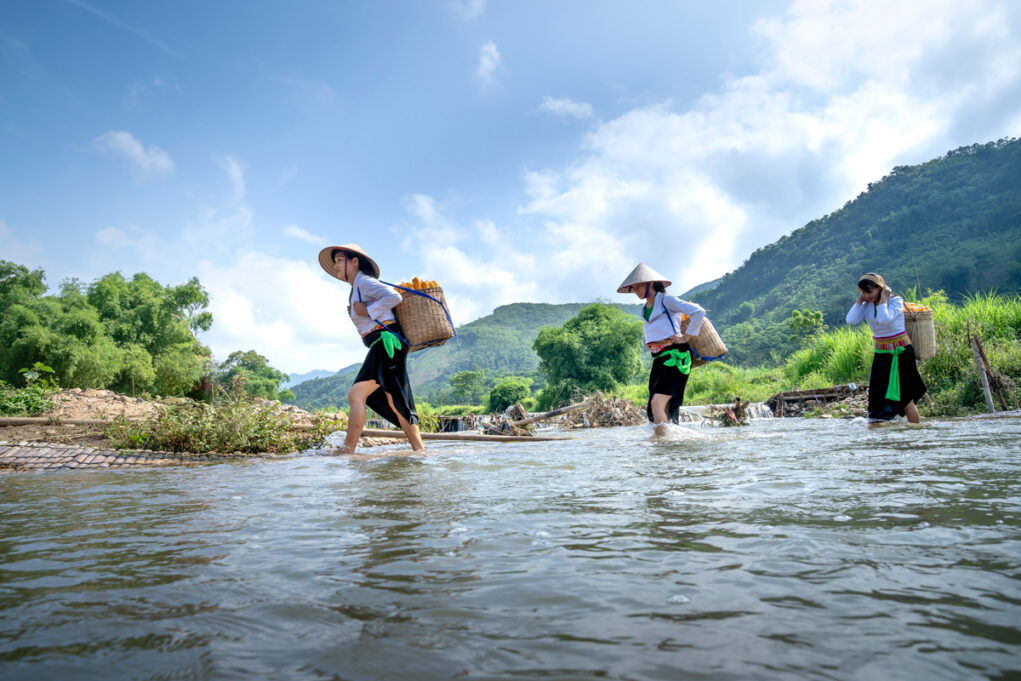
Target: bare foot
(660, 429)
(338, 451)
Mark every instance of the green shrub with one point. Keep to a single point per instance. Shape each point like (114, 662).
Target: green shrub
(508, 391)
(233, 423)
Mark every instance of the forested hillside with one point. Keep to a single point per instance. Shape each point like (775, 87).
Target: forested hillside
(953, 223)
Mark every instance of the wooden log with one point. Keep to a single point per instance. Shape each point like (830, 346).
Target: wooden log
(985, 363)
(982, 374)
(33, 420)
(470, 437)
(549, 414)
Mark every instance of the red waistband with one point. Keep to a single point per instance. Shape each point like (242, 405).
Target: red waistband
(379, 326)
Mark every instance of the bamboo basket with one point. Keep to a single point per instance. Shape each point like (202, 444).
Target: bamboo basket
(922, 332)
(708, 342)
(423, 321)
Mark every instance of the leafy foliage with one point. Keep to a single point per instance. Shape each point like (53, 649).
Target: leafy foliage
(34, 398)
(234, 423)
(599, 349)
(261, 379)
(468, 386)
(131, 336)
(508, 391)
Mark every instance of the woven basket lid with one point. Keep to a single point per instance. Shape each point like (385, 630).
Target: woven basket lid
(326, 258)
(642, 274)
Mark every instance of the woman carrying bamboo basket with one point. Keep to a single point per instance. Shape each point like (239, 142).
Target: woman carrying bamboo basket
(894, 385)
(382, 383)
(667, 340)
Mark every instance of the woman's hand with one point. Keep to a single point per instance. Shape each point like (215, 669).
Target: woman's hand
(862, 297)
(885, 295)
(360, 309)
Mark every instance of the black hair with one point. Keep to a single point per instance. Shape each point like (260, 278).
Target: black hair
(658, 287)
(364, 264)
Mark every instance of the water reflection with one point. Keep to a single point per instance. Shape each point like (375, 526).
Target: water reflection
(792, 549)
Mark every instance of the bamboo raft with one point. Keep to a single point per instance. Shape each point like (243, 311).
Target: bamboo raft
(46, 456)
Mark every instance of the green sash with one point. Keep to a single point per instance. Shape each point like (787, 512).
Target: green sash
(681, 360)
(893, 387)
(390, 343)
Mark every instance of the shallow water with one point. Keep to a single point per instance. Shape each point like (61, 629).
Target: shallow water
(786, 550)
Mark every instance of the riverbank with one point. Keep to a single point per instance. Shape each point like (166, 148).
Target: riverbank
(122, 411)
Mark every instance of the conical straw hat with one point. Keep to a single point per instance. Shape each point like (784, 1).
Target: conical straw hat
(642, 274)
(326, 258)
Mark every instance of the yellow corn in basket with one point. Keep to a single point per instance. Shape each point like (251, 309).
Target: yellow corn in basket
(921, 330)
(706, 344)
(425, 322)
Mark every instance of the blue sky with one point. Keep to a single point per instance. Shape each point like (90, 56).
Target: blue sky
(514, 151)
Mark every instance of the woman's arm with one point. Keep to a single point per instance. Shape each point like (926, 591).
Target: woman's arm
(695, 311)
(377, 297)
(888, 311)
(857, 313)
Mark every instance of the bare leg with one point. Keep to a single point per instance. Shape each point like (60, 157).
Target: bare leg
(659, 415)
(410, 429)
(911, 411)
(357, 396)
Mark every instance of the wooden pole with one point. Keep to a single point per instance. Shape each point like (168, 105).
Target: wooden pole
(469, 437)
(989, 371)
(982, 374)
(549, 414)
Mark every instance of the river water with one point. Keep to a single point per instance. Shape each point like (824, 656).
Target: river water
(790, 549)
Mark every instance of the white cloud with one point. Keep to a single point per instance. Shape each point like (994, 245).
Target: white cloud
(295, 232)
(124, 144)
(489, 60)
(475, 278)
(235, 173)
(846, 91)
(288, 311)
(471, 9)
(566, 108)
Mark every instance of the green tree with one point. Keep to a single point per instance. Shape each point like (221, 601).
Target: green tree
(262, 379)
(507, 391)
(468, 386)
(599, 349)
(131, 336)
(805, 325)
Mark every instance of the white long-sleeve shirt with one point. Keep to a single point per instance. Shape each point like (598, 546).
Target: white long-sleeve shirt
(379, 300)
(665, 319)
(885, 319)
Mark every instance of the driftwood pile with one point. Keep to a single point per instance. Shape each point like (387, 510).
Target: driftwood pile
(607, 411)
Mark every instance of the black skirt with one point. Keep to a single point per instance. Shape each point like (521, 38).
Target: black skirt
(664, 380)
(911, 385)
(392, 376)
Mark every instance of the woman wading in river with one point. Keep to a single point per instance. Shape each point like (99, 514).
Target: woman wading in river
(382, 383)
(671, 356)
(894, 385)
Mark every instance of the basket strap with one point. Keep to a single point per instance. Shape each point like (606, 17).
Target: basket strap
(399, 336)
(708, 359)
(426, 295)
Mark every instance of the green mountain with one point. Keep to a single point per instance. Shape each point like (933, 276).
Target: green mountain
(500, 344)
(953, 223)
